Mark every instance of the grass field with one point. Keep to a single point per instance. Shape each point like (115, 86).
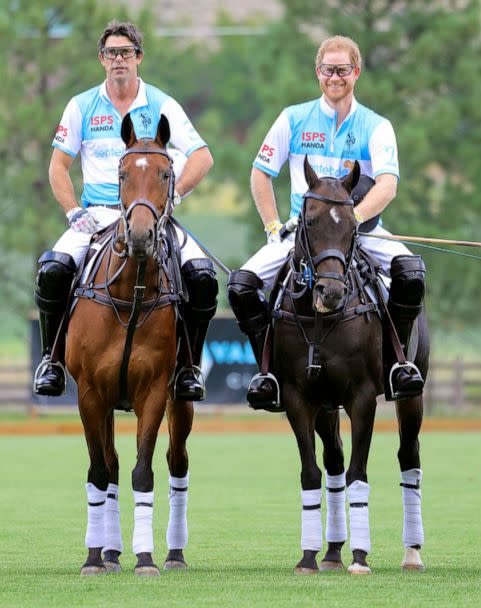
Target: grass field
(244, 520)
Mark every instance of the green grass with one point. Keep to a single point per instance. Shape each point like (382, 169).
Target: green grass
(244, 521)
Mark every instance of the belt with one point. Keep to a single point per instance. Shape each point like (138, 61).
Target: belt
(117, 207)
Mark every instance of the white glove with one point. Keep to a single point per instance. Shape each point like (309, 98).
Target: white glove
(272, 231)
(177, 198)
(81, 220)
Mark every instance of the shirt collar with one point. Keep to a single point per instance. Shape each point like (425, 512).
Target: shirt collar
(326, 108)
(139, 101)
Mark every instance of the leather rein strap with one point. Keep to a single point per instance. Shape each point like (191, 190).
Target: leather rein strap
(139, 291)
(139, 288)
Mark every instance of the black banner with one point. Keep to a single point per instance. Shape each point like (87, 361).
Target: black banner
(228, 364)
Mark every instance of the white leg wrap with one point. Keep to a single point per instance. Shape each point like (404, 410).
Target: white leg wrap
(358, 497)
(413, 533)
(95, 535)
(336, 525)
(143, 537)
(311, 523)
(177, 533)
(113, 533)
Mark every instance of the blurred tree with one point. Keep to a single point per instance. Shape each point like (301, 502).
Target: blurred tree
(420, 71)
(49, 53)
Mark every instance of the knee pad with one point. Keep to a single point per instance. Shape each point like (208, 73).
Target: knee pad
(247, 302)
(202, 287)
(54, 280)
(407, 274)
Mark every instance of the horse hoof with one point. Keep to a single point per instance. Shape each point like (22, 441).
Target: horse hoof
(173, 564)
(92, 570)
(412, 560)
(356, 568)
(112, 567)
(331, 565)
(147, 571)
(302, 571)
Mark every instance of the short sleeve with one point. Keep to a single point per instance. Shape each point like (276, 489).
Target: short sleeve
(183, 134)
(68, 136)
(275, 148)
(383, 150)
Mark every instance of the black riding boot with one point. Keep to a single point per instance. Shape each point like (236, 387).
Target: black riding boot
(199, 276)
(54, 280)
(50, 376)
(189, 382)
(404, 304)
(253, 319)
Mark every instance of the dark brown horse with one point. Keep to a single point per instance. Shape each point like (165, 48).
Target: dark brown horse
(328, 341)
(121, 350)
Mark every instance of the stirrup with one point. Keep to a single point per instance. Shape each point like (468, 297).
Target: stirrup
(42, 367)
(197, 372)
(274, 402)
(407, 366)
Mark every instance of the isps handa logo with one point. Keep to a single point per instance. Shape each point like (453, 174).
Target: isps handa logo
(61, 133)
(266, 153)
(313, 139)
(102, 123)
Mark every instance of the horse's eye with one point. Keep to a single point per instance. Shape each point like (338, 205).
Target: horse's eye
(165, 176)
(122, 175)
(309, 221)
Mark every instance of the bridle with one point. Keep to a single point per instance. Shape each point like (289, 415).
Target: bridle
(308, 261)
(159, 256)
(160, 218)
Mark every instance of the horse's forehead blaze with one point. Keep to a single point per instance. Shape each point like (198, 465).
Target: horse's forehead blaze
(335, 215)
(143, 163)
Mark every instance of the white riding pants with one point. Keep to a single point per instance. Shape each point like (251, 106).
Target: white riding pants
(77, 243)
(269, 259)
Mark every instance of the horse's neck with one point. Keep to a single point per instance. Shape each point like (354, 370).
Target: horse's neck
(121, 274)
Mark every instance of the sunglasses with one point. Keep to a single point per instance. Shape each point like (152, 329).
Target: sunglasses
(125, 51)
(344, 69)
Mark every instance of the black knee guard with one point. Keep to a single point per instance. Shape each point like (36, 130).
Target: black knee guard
(54, 280)
(202, 287)
(247, 301)
(407, 287)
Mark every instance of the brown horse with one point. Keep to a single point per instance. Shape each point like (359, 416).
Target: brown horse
(327, 353)
(121, 350)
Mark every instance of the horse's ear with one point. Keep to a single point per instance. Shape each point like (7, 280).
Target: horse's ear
(163, 130)
(351, 179)
(310, 174)
(127, 132)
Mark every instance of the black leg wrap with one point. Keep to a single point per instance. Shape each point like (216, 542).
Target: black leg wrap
(404, 304)
(202, 289)
(54, 280)
(252, 314)
(407, 274)
(406, 293)
(249, 307)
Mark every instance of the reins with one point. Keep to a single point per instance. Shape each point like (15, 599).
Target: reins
(140, 287)
(306, 274)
